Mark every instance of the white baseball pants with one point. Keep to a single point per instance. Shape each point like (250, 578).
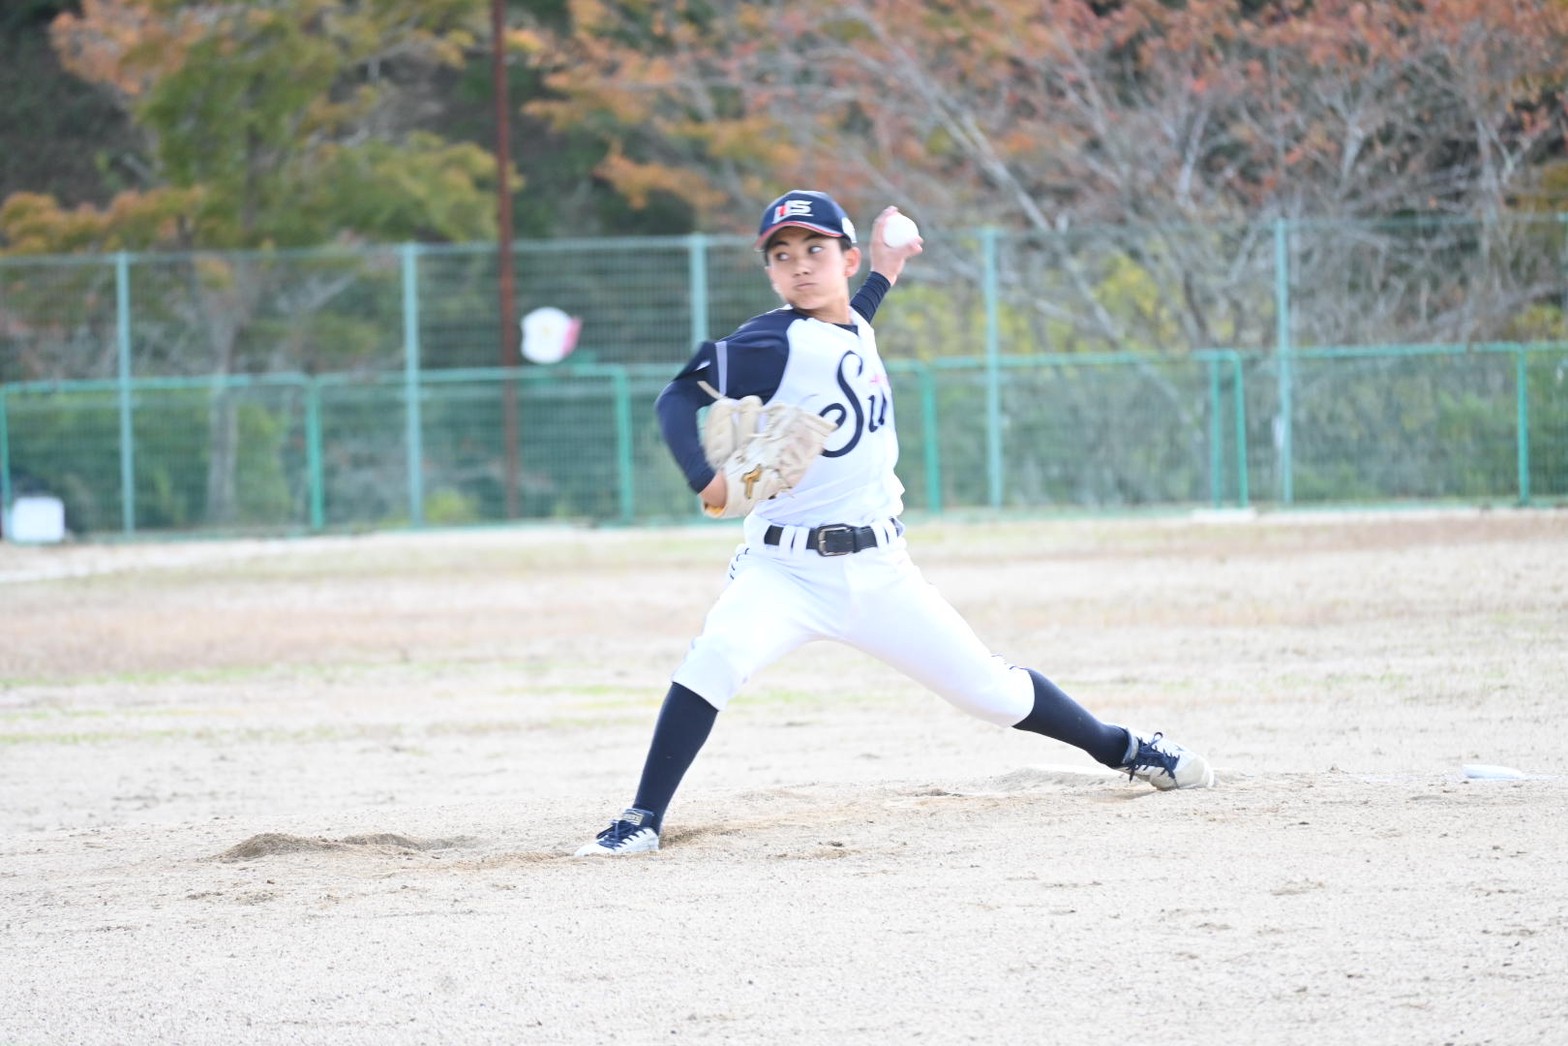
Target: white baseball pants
(781, 597)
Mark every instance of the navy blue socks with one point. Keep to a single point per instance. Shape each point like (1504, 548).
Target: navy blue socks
(684, 723)
(1058, 716)
(686, 720)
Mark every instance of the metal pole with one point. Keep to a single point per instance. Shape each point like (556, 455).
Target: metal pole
(313, 454)
(415, 440)
(930, 435)
(122, 306)
(1215, 461)
(1283, 359)
(993, 376)
(507, 281)
(1522, 378)
(697, 267)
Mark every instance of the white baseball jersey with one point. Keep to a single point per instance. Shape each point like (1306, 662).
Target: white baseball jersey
(836, 372)
(783, 591)
(830, 369)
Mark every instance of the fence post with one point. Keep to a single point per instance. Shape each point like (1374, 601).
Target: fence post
(1243, 495)
(1283, 362)
(993, 377)
(1215, 458)
(416, 452)
(621, 384)
(122, 310)
(314, 480)
(697, 270)
(1522, 381)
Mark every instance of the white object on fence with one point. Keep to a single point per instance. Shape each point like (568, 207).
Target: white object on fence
(549, 335)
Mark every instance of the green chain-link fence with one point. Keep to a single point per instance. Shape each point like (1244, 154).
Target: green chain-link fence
(1272, 364)
(1487, 424)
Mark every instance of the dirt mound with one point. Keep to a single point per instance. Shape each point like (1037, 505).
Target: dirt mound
(272, 844)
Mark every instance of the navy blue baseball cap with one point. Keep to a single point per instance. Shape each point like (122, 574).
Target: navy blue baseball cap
(807, 209)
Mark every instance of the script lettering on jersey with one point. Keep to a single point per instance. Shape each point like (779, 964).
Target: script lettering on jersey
(870, 416)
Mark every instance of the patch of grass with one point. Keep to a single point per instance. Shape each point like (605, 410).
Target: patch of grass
(144, 678)
(569, 721)
(245, 735)
(62, 712)
(786, 697)
(92, 737)
(484, 727)
(420, 668)
(604, 696)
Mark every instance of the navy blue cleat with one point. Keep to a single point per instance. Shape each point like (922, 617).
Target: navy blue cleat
(1165, 764)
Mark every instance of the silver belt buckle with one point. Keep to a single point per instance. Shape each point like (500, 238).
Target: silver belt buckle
(835, 528)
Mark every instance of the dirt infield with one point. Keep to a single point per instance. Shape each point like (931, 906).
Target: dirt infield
(320, 791)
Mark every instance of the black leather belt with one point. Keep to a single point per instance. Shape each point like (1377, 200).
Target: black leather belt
(835, 539)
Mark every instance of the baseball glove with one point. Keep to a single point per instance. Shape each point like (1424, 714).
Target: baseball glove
(762, 451)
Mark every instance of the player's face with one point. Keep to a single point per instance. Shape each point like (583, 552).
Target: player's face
(811, 272)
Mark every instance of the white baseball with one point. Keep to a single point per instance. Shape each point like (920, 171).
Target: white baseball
(899, 229)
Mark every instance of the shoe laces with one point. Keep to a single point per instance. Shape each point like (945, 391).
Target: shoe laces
(613, 837)
(1151, 755)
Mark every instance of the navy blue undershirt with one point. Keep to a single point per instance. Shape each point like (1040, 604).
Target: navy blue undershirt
(750, 362)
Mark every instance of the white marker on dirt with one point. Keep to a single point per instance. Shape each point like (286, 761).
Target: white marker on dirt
(1490, 772)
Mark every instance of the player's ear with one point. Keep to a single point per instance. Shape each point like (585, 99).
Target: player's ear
(851, 260)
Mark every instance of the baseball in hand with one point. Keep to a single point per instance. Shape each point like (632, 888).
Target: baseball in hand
(898, 230)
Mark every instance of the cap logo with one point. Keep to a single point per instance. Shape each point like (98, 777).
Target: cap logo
(809, 209)
(791, 209)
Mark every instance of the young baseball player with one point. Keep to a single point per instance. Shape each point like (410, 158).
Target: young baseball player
(800, 441)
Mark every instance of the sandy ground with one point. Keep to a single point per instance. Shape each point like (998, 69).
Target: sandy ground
(321, 791)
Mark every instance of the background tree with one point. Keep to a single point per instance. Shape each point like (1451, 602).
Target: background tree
(1129, 148)
(264, 125)
(1046, 118)
(284, 115)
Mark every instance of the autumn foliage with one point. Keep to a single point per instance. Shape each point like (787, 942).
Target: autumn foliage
(1029, 114)
(267, 124)
(1043, 113)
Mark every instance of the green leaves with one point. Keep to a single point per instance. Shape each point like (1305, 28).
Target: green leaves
(272, 124)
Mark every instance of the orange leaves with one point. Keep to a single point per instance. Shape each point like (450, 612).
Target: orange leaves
(125, 44)
(526, 42)
(752, 137)
(1028, 110)
(31, 223)
(1208, 108)
(637, 181)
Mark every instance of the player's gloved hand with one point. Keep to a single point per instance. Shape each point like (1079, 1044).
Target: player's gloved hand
(730, 423)
(762, 451)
